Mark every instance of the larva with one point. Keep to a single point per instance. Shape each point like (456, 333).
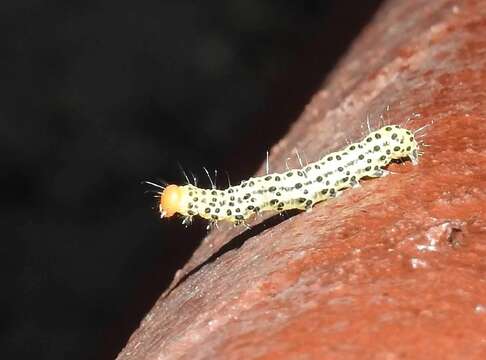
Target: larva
(296, 188)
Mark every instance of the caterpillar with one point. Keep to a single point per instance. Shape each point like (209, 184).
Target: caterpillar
(296, 188)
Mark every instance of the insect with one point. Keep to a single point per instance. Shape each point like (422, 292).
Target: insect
(296, 188)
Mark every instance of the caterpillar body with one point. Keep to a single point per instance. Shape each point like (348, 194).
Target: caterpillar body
(297, 188)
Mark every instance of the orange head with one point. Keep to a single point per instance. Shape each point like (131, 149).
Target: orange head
(170, 200)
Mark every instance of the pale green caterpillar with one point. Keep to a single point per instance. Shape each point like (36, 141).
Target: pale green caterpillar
(296, 188)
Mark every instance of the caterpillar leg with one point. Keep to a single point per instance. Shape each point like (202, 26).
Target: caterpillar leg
(245, 224)
(354, 183)
(381, 173)
(414, 156)
(187, 221)
(242, 222)
(309, 207)
(211, 224)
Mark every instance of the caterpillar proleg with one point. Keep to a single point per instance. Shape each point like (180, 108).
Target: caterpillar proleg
(296, 188)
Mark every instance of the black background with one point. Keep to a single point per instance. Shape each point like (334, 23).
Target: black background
(96, 96)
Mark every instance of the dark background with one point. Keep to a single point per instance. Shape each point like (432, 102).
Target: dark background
(96, 96)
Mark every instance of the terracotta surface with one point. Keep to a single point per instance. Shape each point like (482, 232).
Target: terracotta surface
(392, 270)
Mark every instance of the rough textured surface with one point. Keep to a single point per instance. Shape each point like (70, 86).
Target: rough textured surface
(394, 269)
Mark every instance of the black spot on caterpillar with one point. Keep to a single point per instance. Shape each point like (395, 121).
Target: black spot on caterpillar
(297, 188)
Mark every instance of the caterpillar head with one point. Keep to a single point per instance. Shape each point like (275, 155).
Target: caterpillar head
(172, 200)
